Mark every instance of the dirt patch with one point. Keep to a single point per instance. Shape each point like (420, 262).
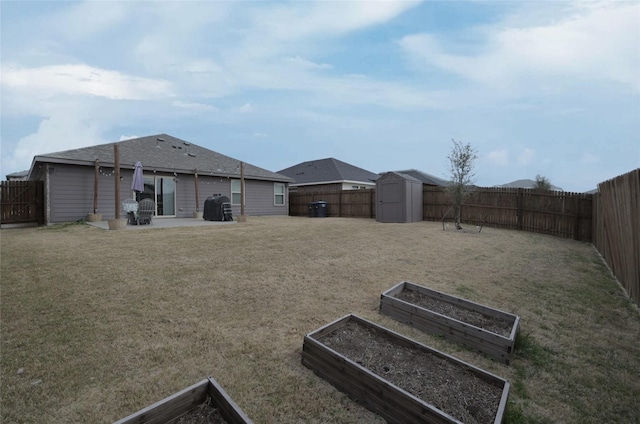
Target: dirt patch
(440, 382)
(206, 413)
(493, 324)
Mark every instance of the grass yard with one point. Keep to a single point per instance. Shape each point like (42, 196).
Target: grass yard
(96, 325)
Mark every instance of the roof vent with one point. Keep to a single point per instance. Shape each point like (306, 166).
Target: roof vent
(193, 155)
(186, 144)
(160, 139)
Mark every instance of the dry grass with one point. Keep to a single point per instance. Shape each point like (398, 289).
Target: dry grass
(104, 323)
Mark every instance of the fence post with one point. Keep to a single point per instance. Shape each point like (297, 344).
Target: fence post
(520, 202)
(576, 218)
(372, 195)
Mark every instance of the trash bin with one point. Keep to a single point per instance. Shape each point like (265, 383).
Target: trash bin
(318, 209)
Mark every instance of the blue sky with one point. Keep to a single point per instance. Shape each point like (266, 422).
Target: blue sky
(549, 88)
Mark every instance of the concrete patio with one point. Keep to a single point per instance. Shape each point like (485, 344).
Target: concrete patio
(165, 223)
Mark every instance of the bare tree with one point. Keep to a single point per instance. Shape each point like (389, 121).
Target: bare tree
(462, 161)
(542, 183)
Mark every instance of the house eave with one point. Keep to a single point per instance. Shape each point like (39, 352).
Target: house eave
(160, 169)
(333, 182)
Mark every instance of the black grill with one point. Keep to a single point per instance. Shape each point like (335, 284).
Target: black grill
(217, 208)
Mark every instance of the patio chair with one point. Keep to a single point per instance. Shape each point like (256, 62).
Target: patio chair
(130, 207)
(146, 209)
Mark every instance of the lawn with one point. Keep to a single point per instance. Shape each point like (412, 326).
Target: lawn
(96, 324)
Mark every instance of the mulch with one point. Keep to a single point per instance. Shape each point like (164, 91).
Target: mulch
(444, 384)
(489, 323)
(206, 413)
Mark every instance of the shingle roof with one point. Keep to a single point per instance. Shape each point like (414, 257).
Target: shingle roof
(162, 153)
(327, 170)
(424, 177)
(525, 183)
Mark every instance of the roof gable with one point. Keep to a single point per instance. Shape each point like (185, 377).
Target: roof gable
(327, 170)
(424, 177)
(161, 153)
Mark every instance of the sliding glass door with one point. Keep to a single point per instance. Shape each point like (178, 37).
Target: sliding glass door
(163, 191)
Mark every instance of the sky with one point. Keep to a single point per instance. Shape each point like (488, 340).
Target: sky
(548, 88)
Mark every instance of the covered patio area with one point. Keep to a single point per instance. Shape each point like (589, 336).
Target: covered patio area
(165, 223)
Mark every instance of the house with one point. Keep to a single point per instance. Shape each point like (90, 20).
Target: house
(526, 183)
(176, 173)
(328, 175)
(426, 179)
(18, 176)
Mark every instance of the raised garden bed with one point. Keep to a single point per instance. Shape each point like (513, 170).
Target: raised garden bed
(204, 402)
(400, 379)
(480, 327)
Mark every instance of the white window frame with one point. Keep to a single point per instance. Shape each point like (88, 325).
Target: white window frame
(276, 194)
(237, 192)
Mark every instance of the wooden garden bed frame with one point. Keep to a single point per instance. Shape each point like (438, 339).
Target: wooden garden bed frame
(492, 344)
(380, 396)
(182, 402)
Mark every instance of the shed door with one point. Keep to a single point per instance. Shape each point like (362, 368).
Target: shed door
(390, 202)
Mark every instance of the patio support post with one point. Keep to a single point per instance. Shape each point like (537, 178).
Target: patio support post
(95, 187)
(116, 154)
(197, 196)
(243, 217)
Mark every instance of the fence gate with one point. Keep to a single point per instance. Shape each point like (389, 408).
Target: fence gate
(22, 202)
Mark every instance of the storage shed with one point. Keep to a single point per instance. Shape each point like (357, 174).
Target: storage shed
(398, 198)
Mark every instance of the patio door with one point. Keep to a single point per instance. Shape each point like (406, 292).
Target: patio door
(163, 191)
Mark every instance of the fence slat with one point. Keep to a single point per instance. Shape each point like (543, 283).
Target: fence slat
(21, 202)
(616, 229)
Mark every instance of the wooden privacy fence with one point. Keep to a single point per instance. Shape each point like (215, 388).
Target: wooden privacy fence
(22, 202)
(556, 213)
(550, 212)
(616, 229)
(345, 203)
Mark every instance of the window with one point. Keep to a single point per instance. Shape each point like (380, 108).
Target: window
(236, 192)
(278, 194)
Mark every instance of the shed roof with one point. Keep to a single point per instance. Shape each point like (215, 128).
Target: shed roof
(401, 175)
(162, 153)
(327, 170)
(424, 177)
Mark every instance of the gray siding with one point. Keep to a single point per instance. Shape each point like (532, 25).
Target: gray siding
(71, 193)
(259, 199)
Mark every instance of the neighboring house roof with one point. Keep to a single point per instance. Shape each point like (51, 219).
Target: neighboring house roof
(526, 183)
(18, 176)
(324, 171)
(162, 153)
(424, 177)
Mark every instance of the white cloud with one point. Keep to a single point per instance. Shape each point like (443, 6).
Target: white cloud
(56, 133)
(300, 62)
(527, 156)
(194, 106)
(597, 41)
(245, 108)
(499, 157)
(301, 20)
(49, 81)
(128, 137)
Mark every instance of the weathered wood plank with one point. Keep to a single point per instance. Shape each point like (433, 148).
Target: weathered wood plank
(391, 402)
(183, 401)
(494, 345)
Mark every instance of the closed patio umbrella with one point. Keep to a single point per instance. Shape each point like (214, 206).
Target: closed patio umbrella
(138, 182)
